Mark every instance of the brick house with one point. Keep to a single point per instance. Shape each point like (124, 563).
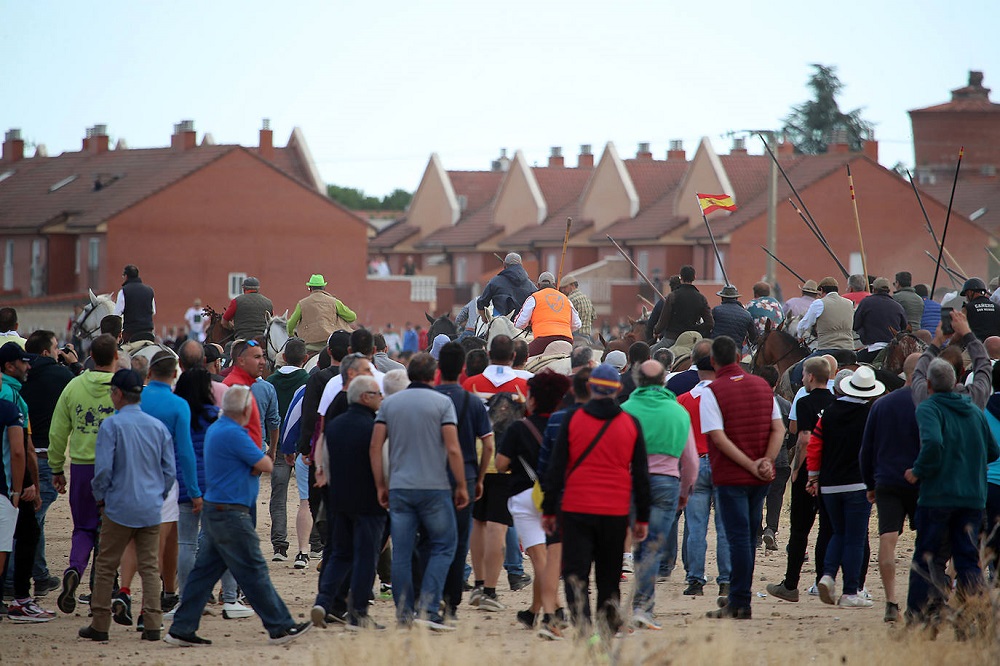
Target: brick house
(195, 218)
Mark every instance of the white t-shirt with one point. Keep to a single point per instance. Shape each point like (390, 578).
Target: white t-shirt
(336, 385)
(711, 415)
(196, 322)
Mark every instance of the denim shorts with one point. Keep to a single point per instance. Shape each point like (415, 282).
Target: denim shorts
(302, 477)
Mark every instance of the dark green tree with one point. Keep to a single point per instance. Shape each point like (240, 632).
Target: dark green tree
(397, 200)
(813, 125)
(355, 199)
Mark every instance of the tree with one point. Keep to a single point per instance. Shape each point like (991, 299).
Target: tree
(397, 200)
(356, 199)
(813, 125)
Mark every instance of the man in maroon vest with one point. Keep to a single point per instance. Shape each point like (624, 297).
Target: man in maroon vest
(743, 423)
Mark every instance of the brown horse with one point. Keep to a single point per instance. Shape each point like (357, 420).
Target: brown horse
(902, 345)
(777, 348)
(216, 332)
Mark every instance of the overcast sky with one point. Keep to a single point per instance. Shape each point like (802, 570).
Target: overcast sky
(378, 86)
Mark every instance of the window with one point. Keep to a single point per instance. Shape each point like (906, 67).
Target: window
(8, 266)
(460, 270)
(62, 183)
(94, 254)
(643, 261)
(550, 263)
(76, 256)
(236, 284)
(37, 268)
(717, 270)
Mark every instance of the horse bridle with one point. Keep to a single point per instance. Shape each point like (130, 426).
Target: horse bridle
(753, 359)
(78, 328)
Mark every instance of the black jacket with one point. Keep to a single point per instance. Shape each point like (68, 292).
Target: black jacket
(45, 383)
(681, 311)
(875, 314)
(508, 290)
(351, 488)
(138, 315)
(310, 403)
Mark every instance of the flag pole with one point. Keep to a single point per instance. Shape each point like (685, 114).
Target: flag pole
(715, 246)
(947, 218)
(562, 259)
(794, 274)
(820, 238)
(857, 224)
(930, 227)
(629, 260)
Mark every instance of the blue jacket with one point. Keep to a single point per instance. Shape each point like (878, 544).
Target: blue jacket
(351, 488)
(198, 441)
(932, 315)
(733, 320)
(508, 291)
(891, 441)
(172, 411)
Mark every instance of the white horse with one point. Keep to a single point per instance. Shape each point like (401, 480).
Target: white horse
(276, 337)
(88, 324)
(146, 350)
(502, 325)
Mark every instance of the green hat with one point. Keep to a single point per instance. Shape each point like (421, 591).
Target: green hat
(316, 281)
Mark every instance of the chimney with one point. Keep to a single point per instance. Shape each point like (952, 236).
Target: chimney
(504, 162)
(556, 157)
(643, 154)
(266, 148)
(870, 148)
(13, 146)
(586, 160)
(676, 152)
(786, 147)
(739, 146)
(96, 140)
(838, 142)
(184, 137)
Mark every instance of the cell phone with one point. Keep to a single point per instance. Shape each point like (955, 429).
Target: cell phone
(946, 327)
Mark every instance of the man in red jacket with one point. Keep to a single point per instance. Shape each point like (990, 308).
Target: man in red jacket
(597, 462)
(743, 423)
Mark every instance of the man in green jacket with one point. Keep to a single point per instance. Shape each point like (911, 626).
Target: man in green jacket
(80, 410)
(955, 446)
(673, 470)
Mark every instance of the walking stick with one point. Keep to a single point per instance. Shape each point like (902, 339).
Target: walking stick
(715, 246)
(857, 224)
(930, 227)
(562, 259)
(629, 260)
(947, 219)
(794, 274)
(820, 238)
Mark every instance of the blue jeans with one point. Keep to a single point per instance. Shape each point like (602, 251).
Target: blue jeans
(41, 570)
(356, 541)
(942, 533)
(849, 519)
(513, 560)
(741, 509)
(696, 516)
(664, 491)
(456, 573)
(188, 536)
(230, 542)
(432, 512)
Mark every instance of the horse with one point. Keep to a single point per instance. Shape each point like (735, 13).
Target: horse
(216, 333)
(146, 350)
(778, 348)
(442, 324)
(275, 338)
(88, 324)
(502, 325)
(637, 333)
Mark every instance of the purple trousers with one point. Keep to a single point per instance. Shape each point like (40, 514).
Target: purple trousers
(86, 517)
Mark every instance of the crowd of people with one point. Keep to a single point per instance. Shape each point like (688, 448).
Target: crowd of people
(435, 467)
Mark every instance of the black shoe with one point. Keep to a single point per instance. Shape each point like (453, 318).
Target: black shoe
(723, 589)
(67, 598)
(695, 589)
(140, 623)
(46, 585)
(151, 635)
(185, 640)
(90, 633)
(290, 634)
(527, 618)
(518, 581)
(84, 599)
(121, 609)
(466, 587)
(728, 612)
(169, 601)
(341, 617)
(280, 554)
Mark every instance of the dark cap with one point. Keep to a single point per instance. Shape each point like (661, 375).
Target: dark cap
(127, 381)
(12, 351)
(212, 353)
(604, 380)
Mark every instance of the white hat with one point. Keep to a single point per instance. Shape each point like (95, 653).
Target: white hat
(862, 383)
(616, 358)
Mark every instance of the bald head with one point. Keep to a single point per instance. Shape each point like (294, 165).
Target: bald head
(650, 373)
(191, 355)
(833, 364)
(992, 345)
(909, 365)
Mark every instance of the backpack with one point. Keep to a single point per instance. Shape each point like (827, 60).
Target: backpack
(503, 409)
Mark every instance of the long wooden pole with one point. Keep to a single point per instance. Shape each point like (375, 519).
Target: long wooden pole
(787, 268)
(930, 227)
(629, 260)
(562, 259)
(792, 187)
(820, 238)
(857, 225)
(947, 219)
(950, 272)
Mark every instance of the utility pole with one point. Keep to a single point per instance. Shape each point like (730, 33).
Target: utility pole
(772, 199)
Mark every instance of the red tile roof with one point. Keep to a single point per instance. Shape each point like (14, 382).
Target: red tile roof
(656, 183)
(28, 202)
(392, 235)
(971, 195)
(475, 226)
(562, 190)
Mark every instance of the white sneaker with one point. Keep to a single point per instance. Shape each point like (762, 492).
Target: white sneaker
(826, 586)
(236, 610)
(170, 615)
(813, 591)
(644, 620)
(865, 594)
(488, 603)
(628, 563)
(854, 601)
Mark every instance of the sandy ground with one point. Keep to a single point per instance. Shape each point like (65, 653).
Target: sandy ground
(779, 633)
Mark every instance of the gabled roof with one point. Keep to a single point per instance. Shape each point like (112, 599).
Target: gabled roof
(561, 188)
(973, 97)
(391, 236)
(479, 189)
(29, 200)
(656, 183)
(971, 195)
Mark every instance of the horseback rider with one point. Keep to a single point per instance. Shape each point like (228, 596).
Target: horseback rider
(732, 319)
(684, 309)
(551, 315)
(248, 313)
(764, 307)
(507, 290)
(136, 305)
(318, 315)
(833, 316)
(876, 318)
(982, 312)
(797, 307)
(570, 286)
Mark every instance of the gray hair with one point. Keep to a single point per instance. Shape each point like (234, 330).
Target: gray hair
(395, 381)
(361, 385)
(235, 400)
(348, 362)
(841, 375)
(941, 376)
(511, 259)
(857, 281)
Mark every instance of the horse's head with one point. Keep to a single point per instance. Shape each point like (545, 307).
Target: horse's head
(441, 325)
(899, 348)
(276, 335)
(88, 324)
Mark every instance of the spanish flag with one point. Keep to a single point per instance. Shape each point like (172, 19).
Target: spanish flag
(713, 202)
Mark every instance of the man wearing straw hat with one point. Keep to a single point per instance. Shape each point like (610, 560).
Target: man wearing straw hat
(570, 286)
(318, 315)
(797, 307)
(732, 319)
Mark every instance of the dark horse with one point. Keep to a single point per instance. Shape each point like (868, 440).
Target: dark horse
(777, 348)
(902, 345)
(635, 334)
(438, 326)
(216, 332)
